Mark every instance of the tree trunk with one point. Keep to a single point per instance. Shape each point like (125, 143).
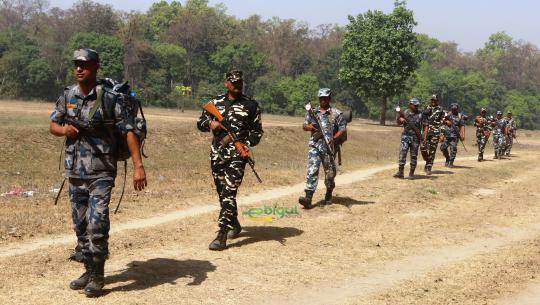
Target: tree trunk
(382, 120)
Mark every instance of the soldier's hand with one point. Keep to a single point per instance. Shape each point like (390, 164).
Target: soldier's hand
(401, 120)
(139, 178)
(70, 131)
(214, 125)
(310, 127)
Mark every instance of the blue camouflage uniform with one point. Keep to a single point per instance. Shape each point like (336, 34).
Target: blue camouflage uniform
(90, 161)
(499, 144)
(332, 121)
(409, 139)
(451, 136)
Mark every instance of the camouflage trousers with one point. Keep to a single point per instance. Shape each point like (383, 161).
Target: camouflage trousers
(499, 145)
(408, 143)
(431, 148)
(449, 148)
(316, 156)
(228, 177)
(481, 141)
(509, 144)
(90, 214)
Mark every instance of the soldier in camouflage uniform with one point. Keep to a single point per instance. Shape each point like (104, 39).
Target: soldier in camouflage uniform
(511, 124)
(500, 132)
(453, 131)
(242, 116)
(432, 120)
(90, 161)
(410, 141)
(483, 131)
(334, 126)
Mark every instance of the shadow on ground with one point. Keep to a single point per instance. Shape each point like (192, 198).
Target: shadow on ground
(266, 233)
(463, 166)
(440, 172)
(346, 201)
(423, 177)
(157, 271)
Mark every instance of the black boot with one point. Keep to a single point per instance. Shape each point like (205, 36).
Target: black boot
(83, 280)
(232, 234)
(306, 201)
(220, 243)
(328, 197)
(451, 164)
(411, 172)
(94, 288)
(399, 173)
(480, 157)
(428, 170)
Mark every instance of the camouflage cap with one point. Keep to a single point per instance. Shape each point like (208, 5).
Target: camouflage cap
(454, 106)
(414, 101)
(483, 110)
(434, 97)
(509, 112)
(85, 55)
(234, 76)
(325, 92)
(499, 112)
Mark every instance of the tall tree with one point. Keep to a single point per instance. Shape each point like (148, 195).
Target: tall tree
(380, 52)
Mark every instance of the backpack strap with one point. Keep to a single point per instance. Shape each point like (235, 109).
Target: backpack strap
(98, 103)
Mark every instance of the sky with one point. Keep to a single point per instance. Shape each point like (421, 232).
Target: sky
(466, 22)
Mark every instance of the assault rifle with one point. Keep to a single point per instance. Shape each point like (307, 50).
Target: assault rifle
(415, 129)
(239, 146)
(329, 147)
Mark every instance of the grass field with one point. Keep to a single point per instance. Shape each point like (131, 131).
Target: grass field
(177, 168)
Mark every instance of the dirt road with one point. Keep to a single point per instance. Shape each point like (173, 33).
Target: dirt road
(469, 235)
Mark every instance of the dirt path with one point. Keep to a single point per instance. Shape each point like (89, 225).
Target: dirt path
(528, 296)
(375, 245)
(271, 194)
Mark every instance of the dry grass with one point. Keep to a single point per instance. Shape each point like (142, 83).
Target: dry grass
(178, 167)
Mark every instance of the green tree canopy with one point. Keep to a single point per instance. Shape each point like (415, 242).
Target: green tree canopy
(380, 52)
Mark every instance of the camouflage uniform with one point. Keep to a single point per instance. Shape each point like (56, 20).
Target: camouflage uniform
(90, 162)
(511, 124)
(409, 139)
(499, 137)
(242, 117)
(432, 118)
(451, 136)
(332, 121)
(481, 139)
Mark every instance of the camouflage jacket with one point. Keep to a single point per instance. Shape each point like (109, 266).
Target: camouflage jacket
(413, 119)
(511, 124)
(453, 130)
(433, 117)
(92, 154)
(500, 126)
(332, 121)
(241, 116)
(484, 124)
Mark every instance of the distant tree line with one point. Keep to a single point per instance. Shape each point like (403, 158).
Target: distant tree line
(176, 45)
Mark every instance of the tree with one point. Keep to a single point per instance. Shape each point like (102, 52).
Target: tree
(380, 52)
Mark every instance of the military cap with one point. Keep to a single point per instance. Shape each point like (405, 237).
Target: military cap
(325, 92)
(234, 76)
(434, 97)
(483, 110)
(454, 106)
(414, 101)
(509, 112)
(85, 54)
(499, 112)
